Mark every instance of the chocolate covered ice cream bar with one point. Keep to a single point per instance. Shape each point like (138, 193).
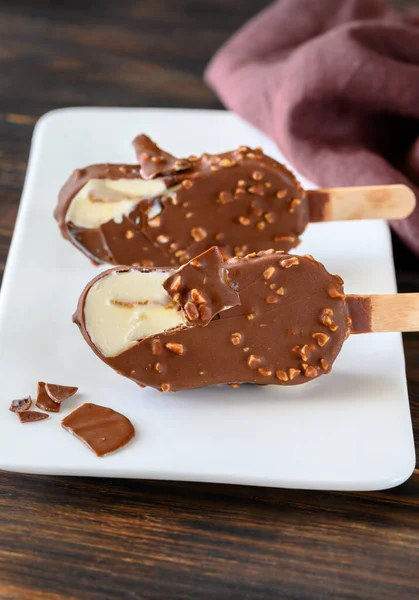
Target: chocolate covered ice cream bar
(267, 318)
(164, 211)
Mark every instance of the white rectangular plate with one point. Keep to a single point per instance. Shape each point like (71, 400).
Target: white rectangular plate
(350, 430)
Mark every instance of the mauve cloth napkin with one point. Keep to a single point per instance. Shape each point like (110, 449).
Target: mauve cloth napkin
(336, 84)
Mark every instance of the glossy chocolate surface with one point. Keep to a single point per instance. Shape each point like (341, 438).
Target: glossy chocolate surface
(101, 428)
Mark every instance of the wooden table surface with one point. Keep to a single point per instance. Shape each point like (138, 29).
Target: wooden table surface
(92, 538)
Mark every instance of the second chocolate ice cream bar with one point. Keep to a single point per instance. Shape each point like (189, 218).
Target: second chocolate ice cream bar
(164, 211)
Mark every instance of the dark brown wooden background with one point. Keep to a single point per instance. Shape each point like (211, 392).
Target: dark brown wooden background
(100, 539)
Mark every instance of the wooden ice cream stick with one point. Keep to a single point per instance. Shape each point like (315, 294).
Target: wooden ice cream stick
(369, 202)
(384, 312)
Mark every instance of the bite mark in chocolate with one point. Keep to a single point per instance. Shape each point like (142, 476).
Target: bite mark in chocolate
(102, 429)
(21, 404)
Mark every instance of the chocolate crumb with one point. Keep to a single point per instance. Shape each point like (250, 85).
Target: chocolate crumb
(59, 393)
(21, 404)
(30, 416)
(44, 401)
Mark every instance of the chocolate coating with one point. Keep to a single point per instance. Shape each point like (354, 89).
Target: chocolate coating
(288, 328)
(241, 201)
(102, 429)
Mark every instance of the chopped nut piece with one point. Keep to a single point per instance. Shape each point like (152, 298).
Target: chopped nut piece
(191, 311)
(296, 349)
(244, 221)
(165, 387)
(157, 367)
(241, 183)
(257, 175)
(267, 184)
(333, 327)
(197, 296)
(198, 234)
(260, 226)
(253, 361)
(293, 373)
(226, 162)
(155, 347)
(284, 238)
(286, 263)
(324, 364)
(326, 320)
(246, 349)
(321, 338)
(187, 184)
(214, 168)
(162, 239)
(234, 385)
(264, 372)
(281, 193)
(189, 215)
(335, 293)
(156, 222)
(293, 204)
(267, 274)
(205, 312)
(257, 189)
(250, 316)
(328, 311)
(175, 283)
(305, 352)
(280, 291)
(281, 375)
(309, 257)
(224, 197)
(310, 372)
(271, 299)
(236, 338)
(176, 348)
(129, 234)
(147, 263)
(269, 217)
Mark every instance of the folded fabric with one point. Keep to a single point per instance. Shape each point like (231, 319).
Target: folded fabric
(336, 84)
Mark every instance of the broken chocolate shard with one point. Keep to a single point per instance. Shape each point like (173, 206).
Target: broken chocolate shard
(59, 393)
(102, 429)
(165, 211)
(155, 161)
(201, 287)
(44, 401)
(30, 416)
(256, 341)
(21, 404)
